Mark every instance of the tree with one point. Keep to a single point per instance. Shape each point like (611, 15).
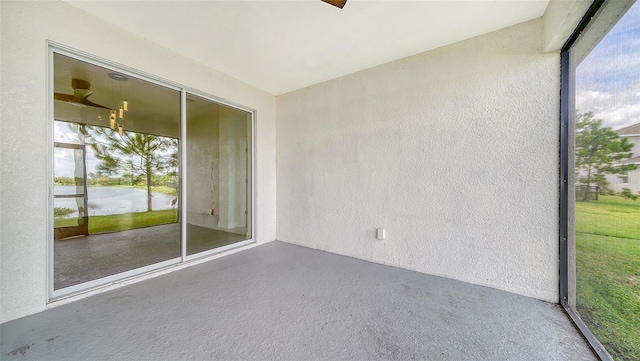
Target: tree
(141, 156)
(599, 151)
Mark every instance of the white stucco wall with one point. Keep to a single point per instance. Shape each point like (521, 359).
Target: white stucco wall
(453, 151)
(24, 29)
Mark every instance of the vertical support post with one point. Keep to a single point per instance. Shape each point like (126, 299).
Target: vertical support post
(567, 120)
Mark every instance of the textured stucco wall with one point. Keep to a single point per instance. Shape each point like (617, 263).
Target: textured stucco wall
(453, 151)
(24, 29)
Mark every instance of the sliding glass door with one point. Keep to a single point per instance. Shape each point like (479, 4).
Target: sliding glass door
(218, 175)
(126, 148)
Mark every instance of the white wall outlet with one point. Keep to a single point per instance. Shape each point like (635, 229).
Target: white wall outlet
(380, 233)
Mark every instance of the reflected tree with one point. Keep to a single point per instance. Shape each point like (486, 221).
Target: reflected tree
(143, 156)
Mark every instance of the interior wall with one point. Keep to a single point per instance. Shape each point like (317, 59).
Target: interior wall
(203, 169)
(24, 29)
(453, 151)
(233, 163)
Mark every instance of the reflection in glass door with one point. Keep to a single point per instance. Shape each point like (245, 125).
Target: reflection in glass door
(218, 175)
(116, 161)
(69, 191)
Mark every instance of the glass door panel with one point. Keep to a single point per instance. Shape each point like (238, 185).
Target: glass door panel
(218, 175)
(116, 161)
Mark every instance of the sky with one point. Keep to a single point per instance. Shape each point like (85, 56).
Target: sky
(608, 80)
(65, 164)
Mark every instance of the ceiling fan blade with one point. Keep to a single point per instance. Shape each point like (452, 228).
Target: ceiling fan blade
(77, 101)
(63, 97)
(92, 104)
(338, 3)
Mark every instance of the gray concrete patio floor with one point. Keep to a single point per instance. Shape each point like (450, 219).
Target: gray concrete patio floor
(284, 302)
(82, 259)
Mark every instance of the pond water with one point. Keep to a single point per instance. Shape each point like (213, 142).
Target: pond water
(113, 200)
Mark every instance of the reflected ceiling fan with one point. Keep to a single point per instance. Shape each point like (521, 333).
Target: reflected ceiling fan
(338, 3)
(81, 91)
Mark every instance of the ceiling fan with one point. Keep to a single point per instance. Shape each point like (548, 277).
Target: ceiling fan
(81, 91)
(338, 3)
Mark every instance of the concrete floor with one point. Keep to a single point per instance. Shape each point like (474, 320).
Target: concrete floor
(285, 302)
(82, 259)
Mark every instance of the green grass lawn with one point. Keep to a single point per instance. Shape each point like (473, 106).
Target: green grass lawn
(609, 216)
(608, 272)
(123, 222)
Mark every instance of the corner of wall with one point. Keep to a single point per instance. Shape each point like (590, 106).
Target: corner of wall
(560, 20)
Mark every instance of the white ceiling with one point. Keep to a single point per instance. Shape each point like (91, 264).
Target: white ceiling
(281, 46)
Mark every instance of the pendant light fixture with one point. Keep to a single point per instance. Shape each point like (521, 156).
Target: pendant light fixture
(112, 119)
(125, 104)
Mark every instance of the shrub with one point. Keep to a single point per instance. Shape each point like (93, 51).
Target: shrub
(626, 193)
(59, 212)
